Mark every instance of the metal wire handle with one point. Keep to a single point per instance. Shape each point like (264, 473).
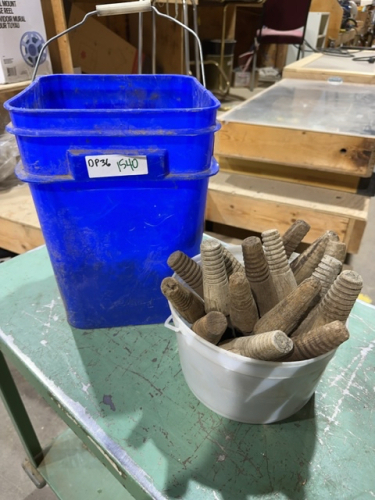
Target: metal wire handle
(97, 12)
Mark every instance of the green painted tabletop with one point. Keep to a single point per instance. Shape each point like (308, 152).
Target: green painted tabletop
(124, 388)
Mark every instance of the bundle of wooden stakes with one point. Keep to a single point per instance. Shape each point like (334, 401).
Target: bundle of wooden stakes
(272, 307)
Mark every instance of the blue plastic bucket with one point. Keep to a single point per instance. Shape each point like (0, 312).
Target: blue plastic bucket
(118, 167)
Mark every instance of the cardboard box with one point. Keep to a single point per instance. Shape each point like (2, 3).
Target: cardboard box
(98, 50)
(22, 35)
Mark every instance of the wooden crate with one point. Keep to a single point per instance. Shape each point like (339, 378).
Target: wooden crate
(324, 66)
(270, 127)
(257, 204)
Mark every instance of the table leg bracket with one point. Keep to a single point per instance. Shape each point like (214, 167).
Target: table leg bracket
(33, 474)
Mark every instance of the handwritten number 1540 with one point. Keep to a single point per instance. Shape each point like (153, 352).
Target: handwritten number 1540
(128, 162)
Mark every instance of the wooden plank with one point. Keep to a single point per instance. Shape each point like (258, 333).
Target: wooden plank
(301, 63)
(286, 173)
(316, 67)
(328, 152)
(8, 90)
(335, 16)
(354, 234)
(63, 42)
(19, 225)
(258, 204)
(260, 215)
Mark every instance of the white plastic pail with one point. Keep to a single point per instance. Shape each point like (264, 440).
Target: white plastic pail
(243, 389)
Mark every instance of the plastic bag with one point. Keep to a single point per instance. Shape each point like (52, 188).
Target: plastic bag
(9, 156)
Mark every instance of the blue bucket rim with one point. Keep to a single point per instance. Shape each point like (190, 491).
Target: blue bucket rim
(8, 105)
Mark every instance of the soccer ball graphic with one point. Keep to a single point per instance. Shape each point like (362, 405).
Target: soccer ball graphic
(30, 46)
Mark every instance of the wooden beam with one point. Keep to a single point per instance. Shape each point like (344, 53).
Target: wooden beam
(350, 155)
(63, 42)
(287, 173)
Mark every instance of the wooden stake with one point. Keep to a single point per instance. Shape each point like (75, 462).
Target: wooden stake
(267, 346)
(243, 310)
(215, 281)
(282, 275)
(335, 305)
(232, 265)
(305, 264)
(211, 327)
(188, 270)
(327, 271)
(258, 274)
(286, 315)
(318, 341)
(186, 303)
(336, 249)
(294, 235)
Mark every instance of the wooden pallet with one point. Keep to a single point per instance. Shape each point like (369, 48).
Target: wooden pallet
(258, 204)
(19, 225)
(287, 173)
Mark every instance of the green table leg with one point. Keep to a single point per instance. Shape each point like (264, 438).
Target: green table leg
(17, 412)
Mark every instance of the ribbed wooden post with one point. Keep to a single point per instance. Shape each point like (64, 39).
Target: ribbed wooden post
(294, 235)
(215, 280)
(286, 315)
(327, 271)
(211, 327)
(243, 310)
(335, 305)
(258, 274)
(282, 276)
(336, 249)
(186, 303)
(305, 264)
(267, 346)
(188, 270)
(318, 341)
(232, 265)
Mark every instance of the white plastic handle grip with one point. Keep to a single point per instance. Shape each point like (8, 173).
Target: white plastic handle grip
(114, 9)
(168, 325)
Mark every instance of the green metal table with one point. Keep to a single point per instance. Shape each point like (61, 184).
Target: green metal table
(135, 429)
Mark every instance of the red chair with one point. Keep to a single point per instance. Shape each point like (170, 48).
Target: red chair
(284, 22)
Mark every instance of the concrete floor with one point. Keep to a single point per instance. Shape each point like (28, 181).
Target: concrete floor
(15, 485)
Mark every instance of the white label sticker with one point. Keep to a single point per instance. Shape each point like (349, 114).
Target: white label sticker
(116, 165)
